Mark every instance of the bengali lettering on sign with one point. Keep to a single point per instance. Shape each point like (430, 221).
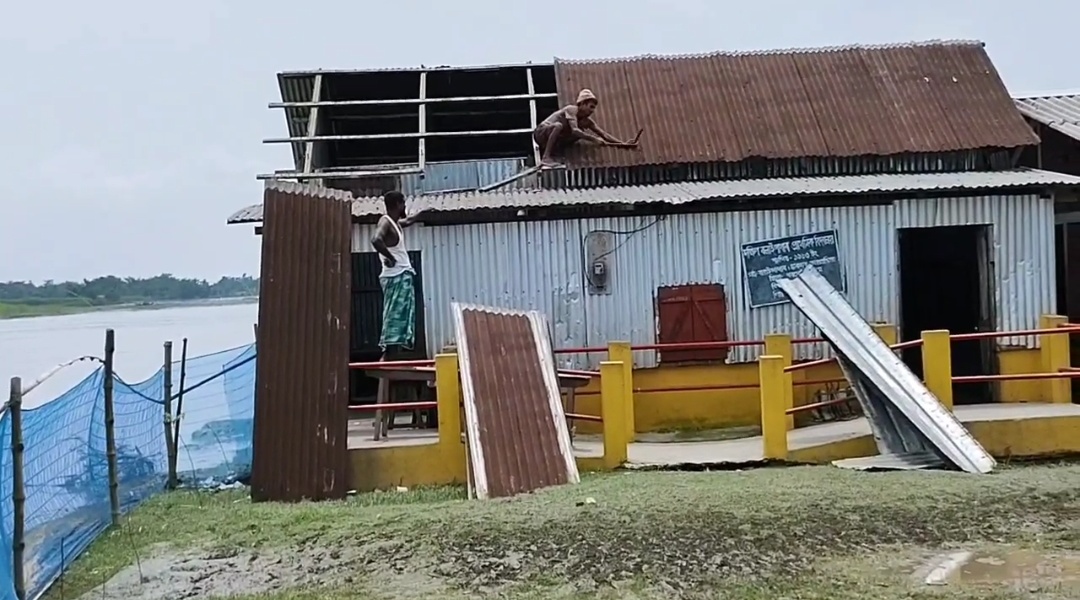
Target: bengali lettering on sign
(767, 261)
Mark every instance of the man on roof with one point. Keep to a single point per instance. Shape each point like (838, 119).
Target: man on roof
(571, 124)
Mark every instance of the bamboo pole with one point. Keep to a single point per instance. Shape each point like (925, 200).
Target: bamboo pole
(179, 409)
(18, 490)
(110, 428)
(170, 445)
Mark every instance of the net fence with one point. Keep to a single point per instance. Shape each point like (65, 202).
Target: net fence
(66, 463)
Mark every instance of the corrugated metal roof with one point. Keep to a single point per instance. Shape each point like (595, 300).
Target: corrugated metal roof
(938, 96)
(903, 415)
(1060, 112)
(514, 421)
(679, 193)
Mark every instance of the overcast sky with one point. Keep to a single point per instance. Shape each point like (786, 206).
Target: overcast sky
(134, 128)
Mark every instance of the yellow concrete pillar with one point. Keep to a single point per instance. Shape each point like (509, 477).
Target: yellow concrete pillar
(779, 344)
(887, 332)
(620, 352)
(448, 398)
(937, 365)
(1053, 357)
(613, 411)
(773, 419)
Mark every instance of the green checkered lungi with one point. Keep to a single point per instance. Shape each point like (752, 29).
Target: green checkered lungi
(399, 311)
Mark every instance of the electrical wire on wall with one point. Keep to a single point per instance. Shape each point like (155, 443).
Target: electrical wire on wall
(627, 236)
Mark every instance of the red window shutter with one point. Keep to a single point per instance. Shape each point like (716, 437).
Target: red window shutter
(692, 313)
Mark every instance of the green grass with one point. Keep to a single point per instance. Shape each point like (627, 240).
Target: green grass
(807, 533)
(15, 310)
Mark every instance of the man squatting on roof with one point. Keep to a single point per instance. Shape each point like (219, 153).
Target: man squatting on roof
(571, 124)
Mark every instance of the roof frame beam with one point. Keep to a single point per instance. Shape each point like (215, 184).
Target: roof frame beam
(532, 113)
(313, 125)
(395, 136)
(529, 96)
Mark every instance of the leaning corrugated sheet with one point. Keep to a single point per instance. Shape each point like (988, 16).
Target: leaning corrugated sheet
(904, 415)
(1059, 112)
(835, 102)
(683, 193)
(514, 421)
(302, 378)
(538, 265)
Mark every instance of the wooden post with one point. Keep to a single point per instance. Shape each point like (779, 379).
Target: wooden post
(18, 490)
(170, 443)
(110, 427)
(179, 409)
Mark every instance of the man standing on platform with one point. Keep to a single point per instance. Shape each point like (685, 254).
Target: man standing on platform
(399, 293)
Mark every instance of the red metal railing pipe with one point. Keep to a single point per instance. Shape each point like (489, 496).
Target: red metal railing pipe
(579, 417)
(593, 350)
(816, 405)
(825, 361)
(1015, 377)
(395, 406)
(989, 335)
(391, 364)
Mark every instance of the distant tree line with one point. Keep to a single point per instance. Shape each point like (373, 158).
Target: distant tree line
(114, 290)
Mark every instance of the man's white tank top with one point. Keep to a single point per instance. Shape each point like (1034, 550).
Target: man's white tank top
(399, 252)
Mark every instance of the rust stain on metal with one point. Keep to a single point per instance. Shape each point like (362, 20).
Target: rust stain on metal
(831, 102)
(518, 441)
(302, 378)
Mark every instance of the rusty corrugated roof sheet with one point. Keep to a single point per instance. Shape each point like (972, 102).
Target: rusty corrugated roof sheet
(680, 193)
(514, 421)
(1058, 111)
(827, 102)
(302, 375)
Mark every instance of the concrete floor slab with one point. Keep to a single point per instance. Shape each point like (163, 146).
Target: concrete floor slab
(744, 450)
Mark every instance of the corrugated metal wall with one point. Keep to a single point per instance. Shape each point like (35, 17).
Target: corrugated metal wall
(302, 377)
(462, 175)
(537, 265)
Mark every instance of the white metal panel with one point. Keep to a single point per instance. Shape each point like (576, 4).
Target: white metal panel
(537, 265)
(882, 381)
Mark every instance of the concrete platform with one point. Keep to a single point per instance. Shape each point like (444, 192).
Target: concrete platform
(745, 450)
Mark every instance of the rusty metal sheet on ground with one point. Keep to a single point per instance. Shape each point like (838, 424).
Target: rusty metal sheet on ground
(514, 422)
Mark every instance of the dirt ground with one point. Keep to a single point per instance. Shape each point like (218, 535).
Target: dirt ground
(807, 533)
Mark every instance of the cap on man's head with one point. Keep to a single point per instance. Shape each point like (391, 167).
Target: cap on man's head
(585, 95)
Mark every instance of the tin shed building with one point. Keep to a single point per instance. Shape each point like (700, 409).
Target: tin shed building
(895, 170)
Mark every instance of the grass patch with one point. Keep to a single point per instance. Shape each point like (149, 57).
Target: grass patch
(16, 310)
(766, 533)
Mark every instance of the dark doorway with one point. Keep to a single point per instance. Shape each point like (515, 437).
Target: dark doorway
(946, 282)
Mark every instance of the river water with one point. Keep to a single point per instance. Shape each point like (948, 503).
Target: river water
(31, 347)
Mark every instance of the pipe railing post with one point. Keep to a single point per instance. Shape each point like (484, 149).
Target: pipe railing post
(937, 365)
(18, 491)
(622, 353)
(773, 418)
(170, 443)
(1054, 357)
(613, 407)
(110, 427)
(448, 401)
(779, 344)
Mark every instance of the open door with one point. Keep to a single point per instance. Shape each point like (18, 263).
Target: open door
(988, 305)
